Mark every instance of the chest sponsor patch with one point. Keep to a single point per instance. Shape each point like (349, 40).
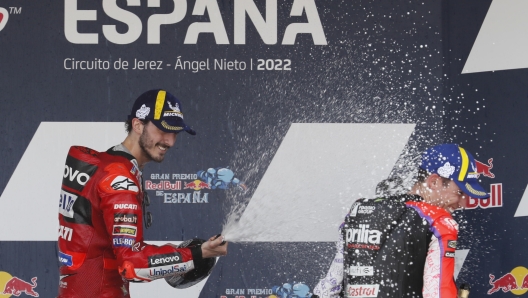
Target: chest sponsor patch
(354, 208)
(124, 183)
(360, 270)
(452, 244)
(138, 247)
(125, 206)
(362, 291)
(125, 218)
(363, 236)
(123, 241)
(365, 209)
(65, 259)
(164, 259)
(124, 230)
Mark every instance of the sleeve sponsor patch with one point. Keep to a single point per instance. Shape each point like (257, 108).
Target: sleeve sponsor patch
(450, 223)
(76, 209)
(164, 259)
(449, 254)
(162, 271)
(125, 218)
(124, 230)
(452, 244)
(77, 173)
(67, 199)
(124, 183)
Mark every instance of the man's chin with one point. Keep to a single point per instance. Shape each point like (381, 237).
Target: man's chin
(158, 159)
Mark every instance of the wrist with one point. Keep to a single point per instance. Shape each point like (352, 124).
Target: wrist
(197, 252)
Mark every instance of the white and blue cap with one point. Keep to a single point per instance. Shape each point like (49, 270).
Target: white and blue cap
(163, 109)
(454, 162)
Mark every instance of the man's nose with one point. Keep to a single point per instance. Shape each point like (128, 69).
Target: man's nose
(169, 138)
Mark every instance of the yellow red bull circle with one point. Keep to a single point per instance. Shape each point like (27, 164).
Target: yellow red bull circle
(519, 273)
(4, 278)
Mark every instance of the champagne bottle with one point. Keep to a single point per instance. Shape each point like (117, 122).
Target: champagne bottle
(463, 291)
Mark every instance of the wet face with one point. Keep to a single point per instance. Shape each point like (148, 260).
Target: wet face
(446, 194)
(154, 143)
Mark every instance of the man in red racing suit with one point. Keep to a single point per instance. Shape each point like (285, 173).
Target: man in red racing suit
(101, 245)
(404, 245)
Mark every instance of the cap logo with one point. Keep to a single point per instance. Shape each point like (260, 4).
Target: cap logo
(170, 127)
(175, 108)
(160, 101)
(142, 112)
(446, 170)
(465, 164)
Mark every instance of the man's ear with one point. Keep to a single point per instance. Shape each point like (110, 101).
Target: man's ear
(137, 126)
(434, 182)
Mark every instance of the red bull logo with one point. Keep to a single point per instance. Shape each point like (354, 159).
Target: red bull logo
(162, 185)
(16, 286)
(515, 282)
(484, 169)
(495, 199)
(197, 185)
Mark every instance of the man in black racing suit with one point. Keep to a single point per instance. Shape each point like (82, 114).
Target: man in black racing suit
(101, 210)
(404, 245)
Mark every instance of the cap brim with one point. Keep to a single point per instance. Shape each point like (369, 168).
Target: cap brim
(472, 189)
(173, 127)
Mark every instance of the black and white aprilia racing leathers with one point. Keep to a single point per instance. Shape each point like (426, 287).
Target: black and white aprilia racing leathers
(393, 247)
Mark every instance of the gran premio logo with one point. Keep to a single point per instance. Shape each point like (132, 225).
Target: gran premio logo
(4, 16)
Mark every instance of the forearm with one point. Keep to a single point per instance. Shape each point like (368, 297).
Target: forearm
(331, 285)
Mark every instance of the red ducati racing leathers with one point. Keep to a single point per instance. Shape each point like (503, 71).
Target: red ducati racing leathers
(100, 243)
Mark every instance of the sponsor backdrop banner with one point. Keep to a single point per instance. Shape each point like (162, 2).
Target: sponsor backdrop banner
(300, 107)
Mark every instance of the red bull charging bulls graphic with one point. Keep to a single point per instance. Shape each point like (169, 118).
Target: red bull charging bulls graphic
(515, 282)
(197, 185)
(14, 286)
(485, 169)
(495, 199)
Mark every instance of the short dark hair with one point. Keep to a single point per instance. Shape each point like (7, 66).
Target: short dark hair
(423, 174)
(128, 124)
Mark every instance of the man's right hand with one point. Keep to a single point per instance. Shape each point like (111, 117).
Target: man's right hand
(214, 247)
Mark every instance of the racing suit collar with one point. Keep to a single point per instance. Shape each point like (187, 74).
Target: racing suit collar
(411, 197)
(121, 150)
